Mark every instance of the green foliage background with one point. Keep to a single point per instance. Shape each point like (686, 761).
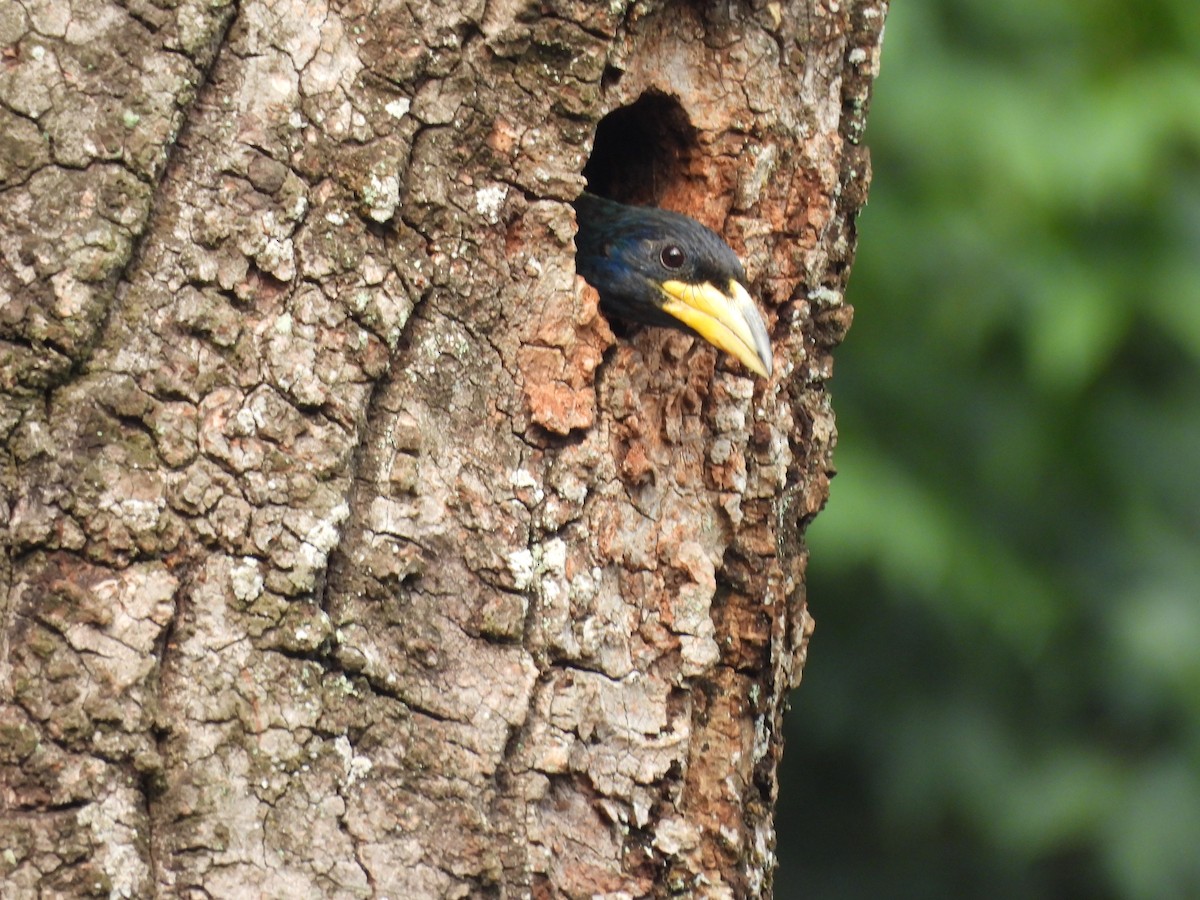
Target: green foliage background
(1002, 698)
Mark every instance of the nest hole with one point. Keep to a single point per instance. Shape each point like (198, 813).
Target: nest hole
(641, 150)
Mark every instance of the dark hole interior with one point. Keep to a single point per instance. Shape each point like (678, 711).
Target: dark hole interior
(640, 149)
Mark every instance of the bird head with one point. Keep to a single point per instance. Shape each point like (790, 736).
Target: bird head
(662, 268)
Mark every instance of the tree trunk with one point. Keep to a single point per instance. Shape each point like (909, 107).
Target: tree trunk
(347, 552)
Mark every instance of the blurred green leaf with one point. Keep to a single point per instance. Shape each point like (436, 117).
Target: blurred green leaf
(1002, 697)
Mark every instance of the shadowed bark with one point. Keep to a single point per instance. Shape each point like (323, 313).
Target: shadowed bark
(346, 551)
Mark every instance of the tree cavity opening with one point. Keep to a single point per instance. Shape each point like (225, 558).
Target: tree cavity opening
(640, 150)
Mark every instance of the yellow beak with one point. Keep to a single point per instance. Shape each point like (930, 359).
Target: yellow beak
(729, 321)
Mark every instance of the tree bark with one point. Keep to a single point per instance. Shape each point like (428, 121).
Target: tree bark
(347, 553)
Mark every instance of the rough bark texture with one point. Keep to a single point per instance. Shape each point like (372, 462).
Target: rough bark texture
(346, 553)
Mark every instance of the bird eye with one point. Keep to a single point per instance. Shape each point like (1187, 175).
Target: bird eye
(672, 257)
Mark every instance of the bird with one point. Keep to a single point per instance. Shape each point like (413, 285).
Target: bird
(662, 268)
